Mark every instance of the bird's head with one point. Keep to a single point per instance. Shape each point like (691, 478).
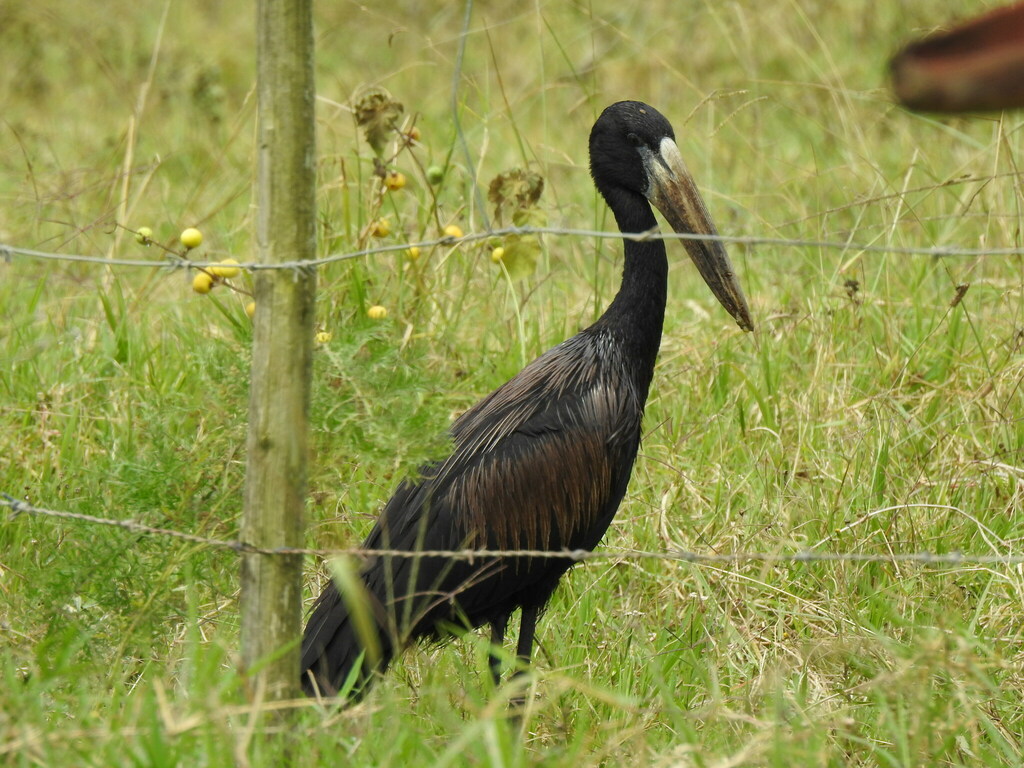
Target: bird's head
(633, 150)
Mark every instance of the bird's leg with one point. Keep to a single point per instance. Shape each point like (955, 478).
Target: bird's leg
(527, 629)
(497, 640)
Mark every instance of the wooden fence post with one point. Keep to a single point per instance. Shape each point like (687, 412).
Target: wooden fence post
(275, 482)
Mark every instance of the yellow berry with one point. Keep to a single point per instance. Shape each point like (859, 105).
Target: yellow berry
(394, 180)
(323, 337)
(377, 312)
(225, 271)
(497, 254)
(144, 235)
(380, 228)
(250, 308)
(452, 230)
(202, 282)
(412, 252)
(191, 238)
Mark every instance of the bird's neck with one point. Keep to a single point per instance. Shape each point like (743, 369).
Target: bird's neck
(636, 315)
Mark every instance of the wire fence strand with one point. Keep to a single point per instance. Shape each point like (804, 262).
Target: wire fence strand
(17, 506)
(175, 261)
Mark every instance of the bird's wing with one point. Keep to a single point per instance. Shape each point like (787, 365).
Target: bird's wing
(535, 464)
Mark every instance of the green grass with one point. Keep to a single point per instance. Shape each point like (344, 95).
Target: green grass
(866, 415)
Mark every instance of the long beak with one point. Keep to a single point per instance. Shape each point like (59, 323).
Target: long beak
(674, 193)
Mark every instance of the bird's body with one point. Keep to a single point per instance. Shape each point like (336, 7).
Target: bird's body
(542, 463)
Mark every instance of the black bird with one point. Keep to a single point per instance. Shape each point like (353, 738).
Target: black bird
(541, 463)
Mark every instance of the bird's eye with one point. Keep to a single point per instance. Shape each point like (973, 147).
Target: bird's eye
(635, 140)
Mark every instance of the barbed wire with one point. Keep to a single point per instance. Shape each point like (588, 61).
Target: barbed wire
(17, 506)
(174, 261)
